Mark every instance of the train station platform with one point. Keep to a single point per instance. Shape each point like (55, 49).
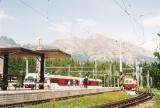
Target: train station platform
(27, 96)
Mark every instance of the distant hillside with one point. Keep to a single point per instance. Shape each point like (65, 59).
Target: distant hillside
(7, 42)
(101, 48)
(94, 47)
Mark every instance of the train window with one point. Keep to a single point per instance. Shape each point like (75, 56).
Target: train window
(66, 82)
(126, 81)
(130, 81)
(77, 82)
(71, 82)
(29, 80)
(54, 81)
(30, 77)
(97, 83)
(45, 81)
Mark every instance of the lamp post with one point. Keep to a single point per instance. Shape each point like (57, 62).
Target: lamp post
(95, 69)
(110, 73)
(120, 58)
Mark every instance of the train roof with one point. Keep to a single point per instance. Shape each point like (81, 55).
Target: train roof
(60, 76)
(69, 77)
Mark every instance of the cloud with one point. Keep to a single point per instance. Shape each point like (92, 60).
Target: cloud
(85, 23)
(4, 15)
(152, 22)
(59, 27)
(76, 25)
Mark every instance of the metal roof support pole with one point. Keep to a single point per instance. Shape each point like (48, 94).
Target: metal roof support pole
(5, 71)
(41, 86)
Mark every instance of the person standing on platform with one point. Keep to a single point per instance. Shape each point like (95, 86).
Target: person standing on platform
(85, 82)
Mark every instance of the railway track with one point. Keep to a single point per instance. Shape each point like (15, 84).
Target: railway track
(142, 97)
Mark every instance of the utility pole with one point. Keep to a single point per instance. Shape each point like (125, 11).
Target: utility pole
(137, 71)
(108, 80)
(114, 81)
(141, 77)
(104, 81)
(151, 81)
(39, 44)
(148, 85)
(110, 74)
(93, 73)
(26, 66)
(81, 71)
(120, 58)
(95, 69)
(116, 74)
(69, 70)
(38, 59)
(38, 65)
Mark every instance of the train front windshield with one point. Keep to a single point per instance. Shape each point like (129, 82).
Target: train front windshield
(128, 81)
(29, 80)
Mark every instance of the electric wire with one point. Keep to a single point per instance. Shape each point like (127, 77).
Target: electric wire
(127, 3)
(132, 19)
(35, 10)
(128, 14)
(47, 13)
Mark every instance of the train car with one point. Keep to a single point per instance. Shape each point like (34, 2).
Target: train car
(29, 80)
(58, 82)
(66, 82)
(129, 83)
(94, 83)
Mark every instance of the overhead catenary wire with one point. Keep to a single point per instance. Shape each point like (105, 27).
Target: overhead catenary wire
(122, 8)
(128, 14)
(132, 19)
(35, 10)
(47, 12)
(126, 4)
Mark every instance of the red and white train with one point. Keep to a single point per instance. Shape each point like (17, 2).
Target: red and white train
(130, 83)
(57, 82)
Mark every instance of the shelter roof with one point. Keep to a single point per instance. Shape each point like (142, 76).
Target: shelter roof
(23, 52)
(19, 51)
(54, 53)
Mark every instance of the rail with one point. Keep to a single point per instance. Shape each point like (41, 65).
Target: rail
(142, 97)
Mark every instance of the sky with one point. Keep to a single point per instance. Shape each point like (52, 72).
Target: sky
(134, 21)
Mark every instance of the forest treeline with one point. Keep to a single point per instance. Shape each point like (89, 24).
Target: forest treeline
(81, 69)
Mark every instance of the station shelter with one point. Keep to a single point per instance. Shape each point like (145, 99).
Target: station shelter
(5, 53)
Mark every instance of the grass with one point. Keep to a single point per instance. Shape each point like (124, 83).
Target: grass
(156, 99)
(83, 102)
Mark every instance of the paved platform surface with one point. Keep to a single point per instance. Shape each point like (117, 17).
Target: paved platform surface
(27, 96)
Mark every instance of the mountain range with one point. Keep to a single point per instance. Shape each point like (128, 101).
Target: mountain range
(99, 47)
(7, 42)
(95, 47)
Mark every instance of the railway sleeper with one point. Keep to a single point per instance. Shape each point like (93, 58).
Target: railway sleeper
(142, 97)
